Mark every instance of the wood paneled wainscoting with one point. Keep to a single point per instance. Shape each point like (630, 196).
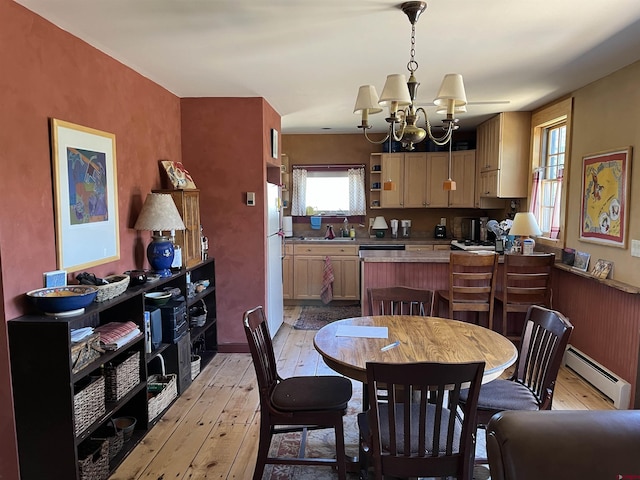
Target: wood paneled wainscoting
(606, 321)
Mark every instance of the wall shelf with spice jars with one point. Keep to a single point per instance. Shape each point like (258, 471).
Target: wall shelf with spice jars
(375, 180)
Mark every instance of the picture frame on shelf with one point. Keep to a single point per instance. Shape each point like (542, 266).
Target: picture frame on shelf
(605, 197)
(602, 269)
(581, 261)
(178, 176)
(85, 196)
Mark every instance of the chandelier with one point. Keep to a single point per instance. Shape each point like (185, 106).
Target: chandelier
(399, 96)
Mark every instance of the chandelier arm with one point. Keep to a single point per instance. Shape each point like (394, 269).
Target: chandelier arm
(444, 139)
(376, 142)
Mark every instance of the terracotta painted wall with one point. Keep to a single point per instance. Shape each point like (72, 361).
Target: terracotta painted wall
(48, 73)
(220, 150)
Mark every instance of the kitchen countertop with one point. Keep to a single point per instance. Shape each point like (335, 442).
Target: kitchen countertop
(404, 256)
(369, 241)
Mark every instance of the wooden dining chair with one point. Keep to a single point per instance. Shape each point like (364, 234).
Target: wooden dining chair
(526, 281)
(530, 387)
(400, 301)
(472, 282)
(419, 428)
(295, 403)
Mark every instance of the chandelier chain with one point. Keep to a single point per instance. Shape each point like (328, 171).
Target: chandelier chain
(412, 66)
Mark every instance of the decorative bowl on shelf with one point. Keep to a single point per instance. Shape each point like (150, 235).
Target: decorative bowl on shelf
(63, 300)
(158, 298)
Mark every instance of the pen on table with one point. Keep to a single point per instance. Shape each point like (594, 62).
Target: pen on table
(390, 346)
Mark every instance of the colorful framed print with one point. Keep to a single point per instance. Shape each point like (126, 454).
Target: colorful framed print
(86, 196)
(605, 197)
(581, 261)
(178, 176)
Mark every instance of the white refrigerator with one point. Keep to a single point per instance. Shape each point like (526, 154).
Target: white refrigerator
(274, 307)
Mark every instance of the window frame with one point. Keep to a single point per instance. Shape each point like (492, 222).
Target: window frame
(541, 120)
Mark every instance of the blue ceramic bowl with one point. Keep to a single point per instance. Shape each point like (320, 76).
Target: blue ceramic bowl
(62, 299)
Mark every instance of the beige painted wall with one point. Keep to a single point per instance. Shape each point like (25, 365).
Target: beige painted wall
(606, 115)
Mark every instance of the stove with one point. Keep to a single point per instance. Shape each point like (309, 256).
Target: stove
(472, 245)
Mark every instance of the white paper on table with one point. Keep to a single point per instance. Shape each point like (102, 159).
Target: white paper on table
(362, 331)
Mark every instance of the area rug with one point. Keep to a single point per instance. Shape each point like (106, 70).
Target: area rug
(314, 317)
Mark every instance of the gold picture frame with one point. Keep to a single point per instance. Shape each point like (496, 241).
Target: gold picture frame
(604, 208)
(86, 196)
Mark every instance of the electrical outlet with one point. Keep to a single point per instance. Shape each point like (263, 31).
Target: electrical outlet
(635, 248)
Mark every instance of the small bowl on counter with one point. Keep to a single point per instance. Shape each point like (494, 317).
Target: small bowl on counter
(68, 300)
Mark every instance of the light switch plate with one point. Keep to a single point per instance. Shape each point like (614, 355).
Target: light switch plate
(635, 248)
(251, 199)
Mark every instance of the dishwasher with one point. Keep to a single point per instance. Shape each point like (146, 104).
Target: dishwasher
(383, 246)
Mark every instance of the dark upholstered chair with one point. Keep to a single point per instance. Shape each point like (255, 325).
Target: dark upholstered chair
(544, 340)
(526, 281)
(295, 403)
(419, 428)
(472, 282)
(562, 444)
(400, 301)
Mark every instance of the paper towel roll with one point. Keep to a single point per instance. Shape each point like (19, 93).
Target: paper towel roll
(287, 226)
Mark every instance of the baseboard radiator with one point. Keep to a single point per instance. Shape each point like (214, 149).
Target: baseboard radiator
(604, 380)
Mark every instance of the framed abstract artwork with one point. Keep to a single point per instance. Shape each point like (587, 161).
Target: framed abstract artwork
(86, 196)
(605, 196)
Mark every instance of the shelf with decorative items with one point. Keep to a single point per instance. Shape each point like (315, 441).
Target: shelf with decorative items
(68, 394)
(375, 180)
(201, 301)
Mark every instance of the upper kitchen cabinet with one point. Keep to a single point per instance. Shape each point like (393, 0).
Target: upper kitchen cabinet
(392, 180)
(463, 172)
(503, 145)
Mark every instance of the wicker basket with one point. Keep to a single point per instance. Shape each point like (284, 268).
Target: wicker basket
(195, 366)
(117, 285)
(165, 388)
(198, 315)
(112, 435)
(85, 351)
(93, 460)
(120, 379)
(88, 403)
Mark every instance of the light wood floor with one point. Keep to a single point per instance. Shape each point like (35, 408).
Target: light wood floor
(211, 430)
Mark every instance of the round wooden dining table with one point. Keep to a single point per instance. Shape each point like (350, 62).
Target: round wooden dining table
(420, 339)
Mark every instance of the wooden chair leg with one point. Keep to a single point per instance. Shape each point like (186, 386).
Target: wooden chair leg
(341, 457)
(264, 444)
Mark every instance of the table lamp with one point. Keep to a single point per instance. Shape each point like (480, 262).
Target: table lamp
(159, 214)
(525, 225)
(379, 225)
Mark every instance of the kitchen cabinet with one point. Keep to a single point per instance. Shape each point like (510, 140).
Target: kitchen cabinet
(375, 180)
(287, 273)
(463, 172)
(418, 178)
(419, 248)
(503, 146)
(59, 409)
(308, 268)
(189, 240)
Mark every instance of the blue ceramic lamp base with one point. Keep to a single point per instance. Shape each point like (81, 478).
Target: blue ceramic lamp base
(160, 255)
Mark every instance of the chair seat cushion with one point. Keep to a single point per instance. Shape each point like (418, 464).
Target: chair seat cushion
(312, 393)
(504, 395)
(415, 414)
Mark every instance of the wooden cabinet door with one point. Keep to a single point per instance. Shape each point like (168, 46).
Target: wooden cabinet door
(308, 274)
(189, 240)
(415, 180)
(488, 144)
(437, 173)
(347, 278)
(489, 182)
(392, 170)
(463, 172)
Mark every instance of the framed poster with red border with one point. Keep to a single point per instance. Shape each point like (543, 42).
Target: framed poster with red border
(605, 197)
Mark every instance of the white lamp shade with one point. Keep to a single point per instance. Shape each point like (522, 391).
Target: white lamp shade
(395, 90)
(159, 213)
(452, 88)
(379, 224)
(367, 100)
(525, 225)
(443, 109)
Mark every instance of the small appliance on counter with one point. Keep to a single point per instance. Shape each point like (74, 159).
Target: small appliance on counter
(405, 228)
(394, 228)
(440, 231)
(287, 226)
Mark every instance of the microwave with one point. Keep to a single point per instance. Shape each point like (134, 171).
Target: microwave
(471, 229)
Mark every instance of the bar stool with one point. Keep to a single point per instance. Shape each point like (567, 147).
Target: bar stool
(472, 281)
(526, 281)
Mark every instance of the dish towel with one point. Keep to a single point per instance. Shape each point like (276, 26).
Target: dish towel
(326, 293)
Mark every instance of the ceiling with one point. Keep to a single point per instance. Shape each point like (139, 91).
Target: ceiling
(308, 58)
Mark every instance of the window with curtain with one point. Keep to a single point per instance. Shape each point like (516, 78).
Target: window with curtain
(548, 197)
(328, 191)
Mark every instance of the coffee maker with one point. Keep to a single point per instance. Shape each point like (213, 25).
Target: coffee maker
(405, 228)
